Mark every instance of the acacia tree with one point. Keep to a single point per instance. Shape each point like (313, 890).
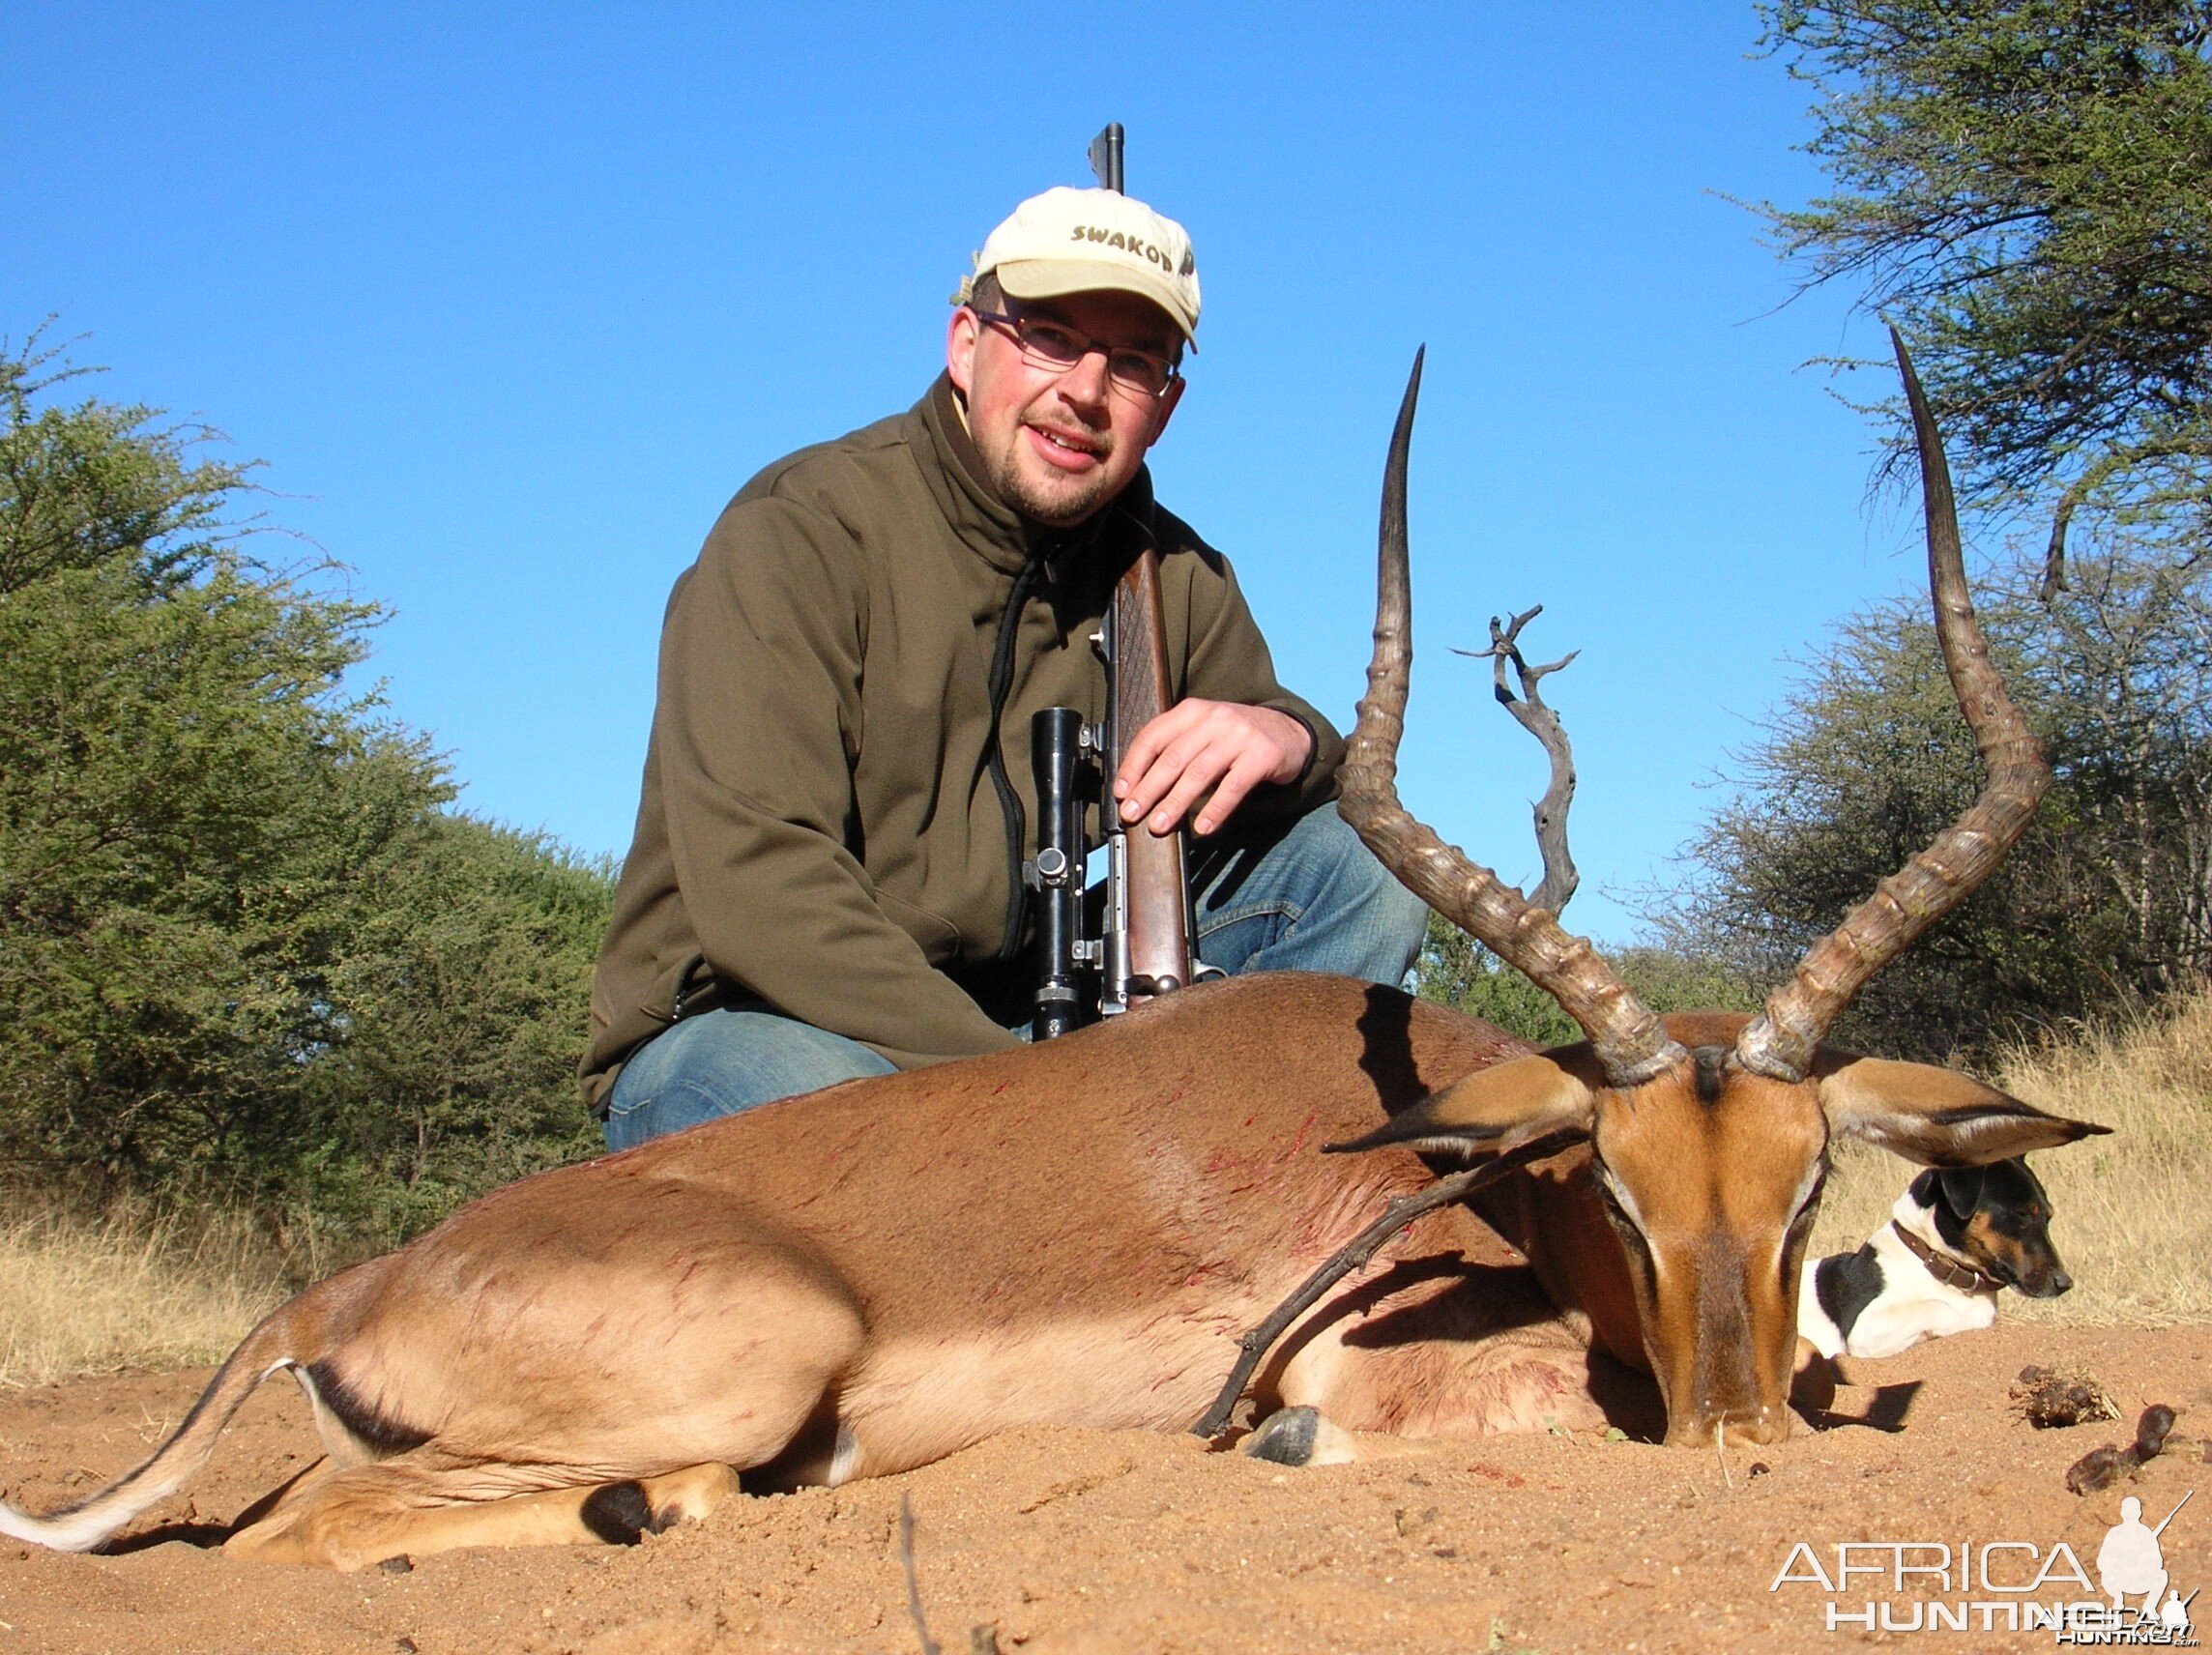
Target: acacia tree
(2124, 657)
(2024, 188)
(243, 946)
(2103, 900)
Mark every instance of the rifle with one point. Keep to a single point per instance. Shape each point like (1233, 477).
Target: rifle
(1144, 947)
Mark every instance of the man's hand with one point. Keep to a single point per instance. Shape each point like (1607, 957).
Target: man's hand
(1197, 748)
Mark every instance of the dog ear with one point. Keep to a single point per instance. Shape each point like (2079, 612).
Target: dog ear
(2013, 1183)
(1961, 1188)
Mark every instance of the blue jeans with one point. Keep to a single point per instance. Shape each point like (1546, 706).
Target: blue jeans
(1300, 896)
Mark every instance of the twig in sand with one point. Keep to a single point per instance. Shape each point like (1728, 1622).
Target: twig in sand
(913, 1588)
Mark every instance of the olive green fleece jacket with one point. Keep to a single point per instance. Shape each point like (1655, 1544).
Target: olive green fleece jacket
(818, 827)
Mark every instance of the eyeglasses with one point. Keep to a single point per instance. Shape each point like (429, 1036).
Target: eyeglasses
(1051, 345)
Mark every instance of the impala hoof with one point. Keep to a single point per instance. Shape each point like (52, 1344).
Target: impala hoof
(619, 1514)
(1286, 1437)
(1301, 1436)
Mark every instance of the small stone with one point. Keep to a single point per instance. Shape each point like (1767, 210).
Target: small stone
(400, 1565)
(1761, 1468)
(1410, 1522)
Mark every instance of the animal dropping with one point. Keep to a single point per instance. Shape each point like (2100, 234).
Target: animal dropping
(2101, 1468)
(2053, 1398)
(868, 1278)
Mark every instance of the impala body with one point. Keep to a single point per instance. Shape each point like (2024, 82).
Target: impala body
(870, 1277)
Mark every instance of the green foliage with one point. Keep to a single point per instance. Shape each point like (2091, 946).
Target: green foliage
(243, 947)
(2024, 188)
(1671, 980)
(463, 991)
(1454, 969)
(99, 484)
(2103, 904)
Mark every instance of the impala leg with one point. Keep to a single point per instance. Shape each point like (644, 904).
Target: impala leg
(587, 1431)
(352, 1519)
(1541, 1392)
(282, 1499)
(1418, 1354)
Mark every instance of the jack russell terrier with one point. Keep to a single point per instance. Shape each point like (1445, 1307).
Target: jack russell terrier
(1957, 1237)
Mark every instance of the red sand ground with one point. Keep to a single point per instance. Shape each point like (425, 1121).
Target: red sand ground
(1078, 1541)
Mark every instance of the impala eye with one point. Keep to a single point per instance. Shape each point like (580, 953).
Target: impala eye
(1794, 1239)
(1811, 1199)
(1609, 1192)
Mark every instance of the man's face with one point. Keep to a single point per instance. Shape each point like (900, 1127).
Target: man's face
(1058, 446)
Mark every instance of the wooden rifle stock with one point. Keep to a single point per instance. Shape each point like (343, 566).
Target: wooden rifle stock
(1144, 948)
(1158, 913)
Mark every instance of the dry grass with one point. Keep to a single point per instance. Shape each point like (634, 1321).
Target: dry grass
(127, 1288)
(2132, 1220)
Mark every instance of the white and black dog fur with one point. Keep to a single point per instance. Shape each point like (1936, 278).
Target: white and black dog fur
(1957, 1238)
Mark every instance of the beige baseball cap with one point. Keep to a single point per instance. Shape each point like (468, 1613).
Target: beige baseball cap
(1083, 241)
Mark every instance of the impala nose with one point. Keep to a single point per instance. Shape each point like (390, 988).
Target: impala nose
(1752, 1429)
(1757, 1430)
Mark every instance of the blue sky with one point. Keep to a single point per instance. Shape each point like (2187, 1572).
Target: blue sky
(510, 300)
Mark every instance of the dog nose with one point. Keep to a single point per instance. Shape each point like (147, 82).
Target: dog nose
(2060, 1280)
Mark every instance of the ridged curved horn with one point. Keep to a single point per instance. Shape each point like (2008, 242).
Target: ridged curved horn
(1780, 1042)
(1627, 1039)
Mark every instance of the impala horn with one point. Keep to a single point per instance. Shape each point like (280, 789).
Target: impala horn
(1780, 1041)
(1627, 1039)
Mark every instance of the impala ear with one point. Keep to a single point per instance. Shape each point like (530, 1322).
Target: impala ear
(1498, 1109)
(1937, 1116)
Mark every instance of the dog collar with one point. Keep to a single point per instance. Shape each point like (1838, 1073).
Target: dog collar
(1951, 1272)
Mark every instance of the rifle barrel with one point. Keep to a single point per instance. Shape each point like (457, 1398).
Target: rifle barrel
(1106, 157)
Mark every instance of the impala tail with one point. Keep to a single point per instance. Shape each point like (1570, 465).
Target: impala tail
(91, 1521)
